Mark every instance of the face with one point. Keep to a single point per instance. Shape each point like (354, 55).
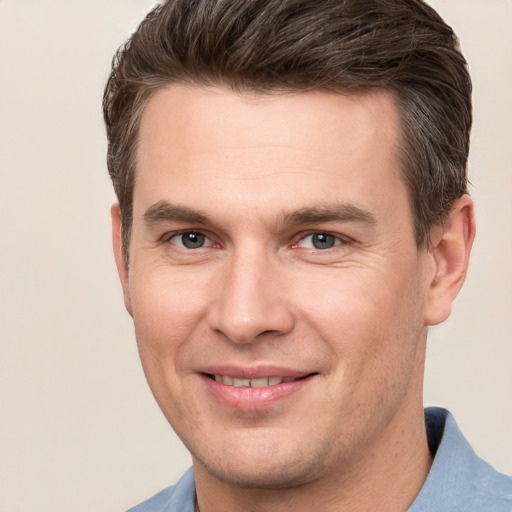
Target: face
(277, 293)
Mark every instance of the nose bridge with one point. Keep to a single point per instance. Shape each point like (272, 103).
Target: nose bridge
(249, 301)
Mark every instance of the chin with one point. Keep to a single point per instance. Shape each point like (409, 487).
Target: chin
(268, 469)
(261, 478)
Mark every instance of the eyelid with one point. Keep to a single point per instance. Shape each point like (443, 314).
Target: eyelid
(210, 241)
(339, 239)
(167, 238)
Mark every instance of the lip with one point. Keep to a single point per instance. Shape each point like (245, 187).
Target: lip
(248, 399)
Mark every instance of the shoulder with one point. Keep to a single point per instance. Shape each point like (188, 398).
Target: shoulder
(459, 480)
(176, 498)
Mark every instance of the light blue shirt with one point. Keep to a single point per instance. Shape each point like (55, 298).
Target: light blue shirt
(459, 480)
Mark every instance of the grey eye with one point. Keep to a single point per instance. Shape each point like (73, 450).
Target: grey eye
(319, 241)
(189, 240)
(323, 241)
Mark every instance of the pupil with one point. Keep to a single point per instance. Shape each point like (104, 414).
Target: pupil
(323, 241)
(192, 240)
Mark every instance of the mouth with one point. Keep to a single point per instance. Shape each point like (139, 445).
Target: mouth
(253, 389)
(259, 382)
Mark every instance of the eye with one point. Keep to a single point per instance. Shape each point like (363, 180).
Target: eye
(319, 241)
(190, 240)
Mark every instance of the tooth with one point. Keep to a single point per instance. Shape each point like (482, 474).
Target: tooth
(254, 383)
(239, 383)
(259, 383)
(227, 380)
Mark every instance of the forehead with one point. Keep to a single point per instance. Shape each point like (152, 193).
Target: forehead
(289, 149)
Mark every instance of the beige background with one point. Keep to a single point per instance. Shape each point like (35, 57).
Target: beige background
(79, 430)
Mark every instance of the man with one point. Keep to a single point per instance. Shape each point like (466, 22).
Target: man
(293, 215)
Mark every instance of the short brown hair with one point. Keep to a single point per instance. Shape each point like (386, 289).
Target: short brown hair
(269, 46)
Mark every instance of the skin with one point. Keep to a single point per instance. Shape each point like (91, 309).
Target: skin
(257, 177)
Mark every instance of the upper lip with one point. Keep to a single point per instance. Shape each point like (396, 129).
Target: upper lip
(255, 372)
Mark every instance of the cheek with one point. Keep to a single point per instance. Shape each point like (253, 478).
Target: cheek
(370, 319)
(166, 312)
(345, 306)
(165, 315)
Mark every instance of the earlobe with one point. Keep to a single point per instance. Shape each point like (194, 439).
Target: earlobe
(121, 263)
(449, 253)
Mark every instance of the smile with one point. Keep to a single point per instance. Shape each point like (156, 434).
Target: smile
(261, 382)
(250, 391)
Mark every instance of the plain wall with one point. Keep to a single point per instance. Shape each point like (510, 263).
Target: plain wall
(79, 429)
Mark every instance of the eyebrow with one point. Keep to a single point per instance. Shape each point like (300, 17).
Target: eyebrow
(163, 211)
(343, 212)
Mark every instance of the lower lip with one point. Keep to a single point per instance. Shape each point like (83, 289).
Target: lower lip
(248, 399)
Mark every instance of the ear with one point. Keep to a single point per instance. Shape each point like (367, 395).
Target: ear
(121, 263)
(449, 255)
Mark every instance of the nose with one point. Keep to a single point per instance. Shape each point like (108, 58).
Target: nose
(250, 302)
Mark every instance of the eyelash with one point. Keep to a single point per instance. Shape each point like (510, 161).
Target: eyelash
(168, 238)
(337, 240)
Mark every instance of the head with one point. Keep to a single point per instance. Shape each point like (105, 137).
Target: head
(291, 179)
(276, 46)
